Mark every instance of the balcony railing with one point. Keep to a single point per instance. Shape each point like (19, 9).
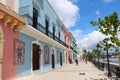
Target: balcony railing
(39, 26)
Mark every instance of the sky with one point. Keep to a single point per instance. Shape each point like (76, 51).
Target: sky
(77, 15)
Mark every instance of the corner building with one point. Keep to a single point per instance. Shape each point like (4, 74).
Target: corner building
(10, 25)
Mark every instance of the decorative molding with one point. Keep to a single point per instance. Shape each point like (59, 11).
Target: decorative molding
(13, 23)
(30, 31)
(10, 17)
(7, 20)
(47, 16)
(2, 15)
(19, 26)
(36, 3)
(11, 13)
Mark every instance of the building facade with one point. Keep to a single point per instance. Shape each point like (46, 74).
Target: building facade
(43, 38)
(10, 25)
(34, 43)
(74, 48)
(80, 53)
(68, 41)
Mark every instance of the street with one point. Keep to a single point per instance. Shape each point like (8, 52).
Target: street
(70, 72)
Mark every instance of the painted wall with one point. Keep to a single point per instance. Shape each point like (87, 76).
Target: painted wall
(9, 69)
(26, 7)
(25, 69)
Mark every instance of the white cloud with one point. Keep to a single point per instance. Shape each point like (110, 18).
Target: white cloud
(67, 11)
(89, 41)
(76, 33)
(108, 1)
(97, 12)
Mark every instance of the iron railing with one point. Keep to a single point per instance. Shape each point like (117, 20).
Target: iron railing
(24, 12)
(114, 68)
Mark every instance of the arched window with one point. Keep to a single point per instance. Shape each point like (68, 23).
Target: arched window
(46, 55)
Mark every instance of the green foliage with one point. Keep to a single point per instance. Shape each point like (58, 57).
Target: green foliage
(90, 55)
(109, 26)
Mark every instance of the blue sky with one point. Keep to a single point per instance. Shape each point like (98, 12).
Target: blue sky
(92, 9)
(77, 14)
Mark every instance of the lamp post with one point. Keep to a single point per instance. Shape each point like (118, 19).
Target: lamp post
(108, 65)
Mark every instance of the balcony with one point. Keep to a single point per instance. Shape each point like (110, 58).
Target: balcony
(24, 13)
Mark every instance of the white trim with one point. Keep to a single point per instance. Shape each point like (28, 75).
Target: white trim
(3, 1)
(47, 4)
(30, 31)
(54, 54)
(47, 16)
(16, 5)
(36, 3)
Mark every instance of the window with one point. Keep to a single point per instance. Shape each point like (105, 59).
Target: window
(65, 39)
(59, 35)
(53, 32)
(35, 17)
(47, 26)
(46, 55)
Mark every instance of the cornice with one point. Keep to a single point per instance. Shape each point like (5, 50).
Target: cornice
(10, 17)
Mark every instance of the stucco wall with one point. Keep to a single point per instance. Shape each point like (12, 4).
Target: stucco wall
(9, 69)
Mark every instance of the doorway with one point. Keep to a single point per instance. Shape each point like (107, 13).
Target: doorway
(61, 58)
(1, 50)
(53, 59)
(36, 57)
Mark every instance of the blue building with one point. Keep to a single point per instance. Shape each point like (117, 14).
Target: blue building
(43, 38)
(74, 48)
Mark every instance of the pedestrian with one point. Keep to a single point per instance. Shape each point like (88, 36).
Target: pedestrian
(76, 61)
(85, 56)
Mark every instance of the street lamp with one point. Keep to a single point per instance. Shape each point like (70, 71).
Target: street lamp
(108, 65)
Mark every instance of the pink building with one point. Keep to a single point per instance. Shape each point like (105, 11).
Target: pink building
(10, 24)
(68, 41)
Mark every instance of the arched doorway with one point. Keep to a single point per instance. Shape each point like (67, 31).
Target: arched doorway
(36, 57)
(1, 50)
(53, 58)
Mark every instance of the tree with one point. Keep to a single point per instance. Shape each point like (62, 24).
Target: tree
(97, 51)
(110, 27)
(89, 55)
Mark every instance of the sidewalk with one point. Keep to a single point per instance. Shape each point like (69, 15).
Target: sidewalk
(70, 72)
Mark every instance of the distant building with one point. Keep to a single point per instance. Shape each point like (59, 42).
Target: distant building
(68, 42)
(80, 53)
(74, 48)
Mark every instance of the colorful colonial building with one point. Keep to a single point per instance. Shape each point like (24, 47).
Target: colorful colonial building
(10, 25)
(68, 41)
(74, 48)
(34, 43)
(43, 38)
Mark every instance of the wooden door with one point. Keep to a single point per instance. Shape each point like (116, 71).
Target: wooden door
(36, 57)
